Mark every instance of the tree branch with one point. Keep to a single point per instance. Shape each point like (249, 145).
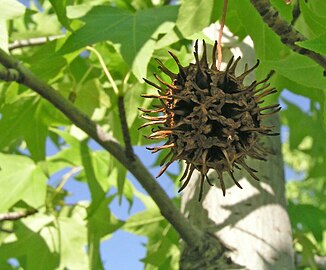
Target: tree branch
(191, 235)
(125, 130)
(17, 44)
(17, 215)
(288, 34)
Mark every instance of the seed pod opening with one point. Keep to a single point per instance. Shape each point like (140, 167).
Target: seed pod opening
(209, 118)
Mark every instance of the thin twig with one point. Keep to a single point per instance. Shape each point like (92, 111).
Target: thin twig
(125, 130)
(17, 215)
(123, 120)
(6, 231)
(17, 44)
(66, 177)
(121, 107)
(288, 34)
(220, 34)
(190, 234)
(106, 71)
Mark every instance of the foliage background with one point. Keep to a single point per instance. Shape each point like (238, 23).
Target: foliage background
(42, 152)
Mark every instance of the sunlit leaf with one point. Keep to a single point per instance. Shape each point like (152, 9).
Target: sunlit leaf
(315, 22)
(30, 249)
(133, 31)
(20, 179)
(11, 9)
(21, 119)
(73, 237)
(3, 35)
(267, 44)
(317, 45)
(195, 15)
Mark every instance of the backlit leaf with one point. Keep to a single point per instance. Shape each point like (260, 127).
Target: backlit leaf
(195, 15)
(135, 32)
(20, 179)
(11, 9)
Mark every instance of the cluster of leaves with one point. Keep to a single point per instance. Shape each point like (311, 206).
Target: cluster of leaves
(304, 150)
(128, 34)
(38, 142)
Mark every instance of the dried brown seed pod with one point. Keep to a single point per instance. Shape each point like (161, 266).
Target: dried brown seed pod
(209, 118)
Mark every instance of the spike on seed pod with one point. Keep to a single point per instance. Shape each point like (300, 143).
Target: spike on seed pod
(210, 119)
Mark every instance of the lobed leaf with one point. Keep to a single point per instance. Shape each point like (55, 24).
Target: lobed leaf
(135, 32)
(20, 179)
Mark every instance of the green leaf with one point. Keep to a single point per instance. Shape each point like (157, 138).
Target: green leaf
(300, 191)
(3, 35)
(159, 255)
(121, 178)
(97, 193)
(324, 110)
(266, 43)
(40, 60)
(11, 9)
(144, 223)
(30, 249)
(101, 221)
(23, 118)
(136, 32)
(282, 82)
(234, 24)
(195, 15)
(73, 236)
(308, 250)
(317, 45)
(60, 10)
(15, 117)
(318, 7)
(310, 217)
(51, 116)
(88, 97)
(68, 156)
(25, 182)
(292, 113)
(35, 135)
(315, 22)
(162, 238)
(299, 69)
(284, 10)
(101, 161)
(132, 101)
(35, 24)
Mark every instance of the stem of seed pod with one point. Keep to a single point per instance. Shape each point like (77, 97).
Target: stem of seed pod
(219, 42)
(105, 69)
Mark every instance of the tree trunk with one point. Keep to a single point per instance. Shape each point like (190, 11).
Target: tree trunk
(252, 223)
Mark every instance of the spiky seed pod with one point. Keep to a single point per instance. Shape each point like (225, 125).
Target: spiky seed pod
(209, 118)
